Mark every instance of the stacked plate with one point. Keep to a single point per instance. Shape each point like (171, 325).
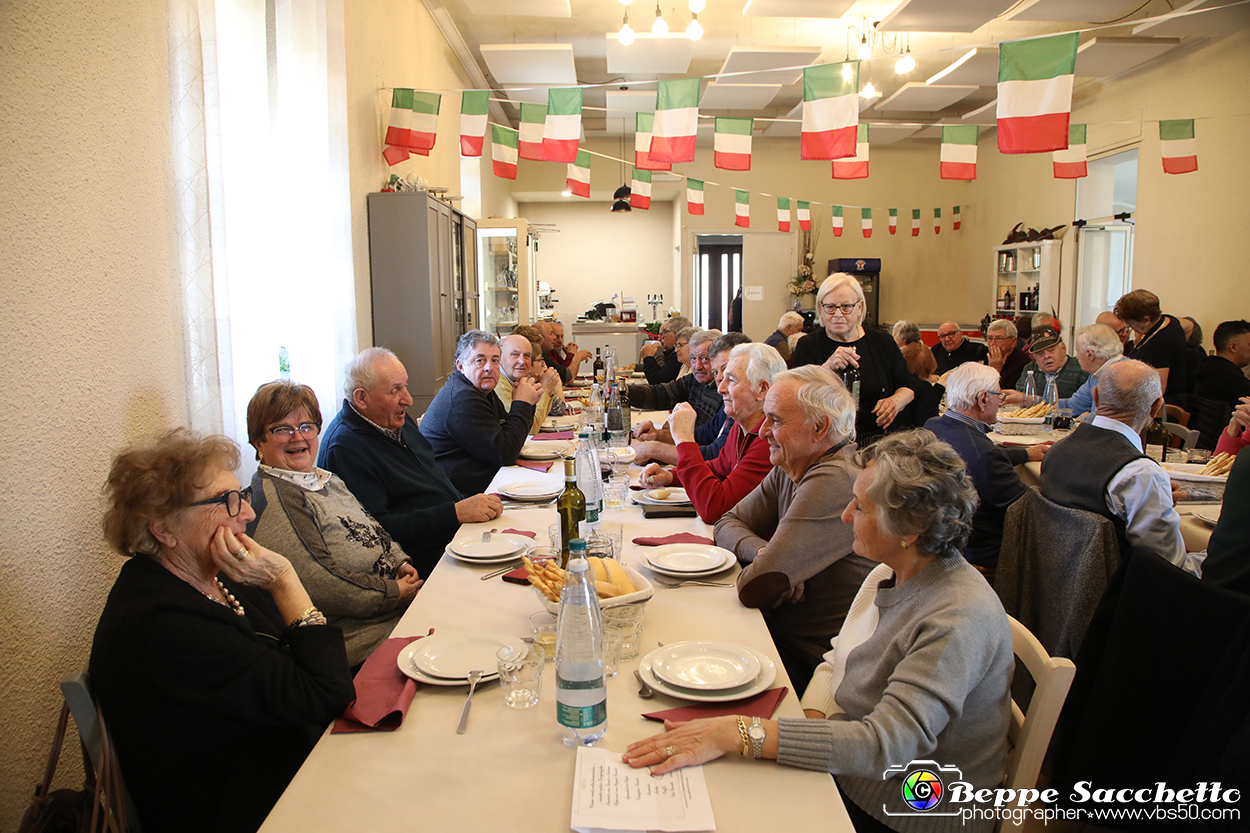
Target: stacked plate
(545, 450)
(708, 672)
(663, 497)
(531, 491)
(561, 423)
(502, 546)
(447, 658)
(687, 560)
(1209, 515)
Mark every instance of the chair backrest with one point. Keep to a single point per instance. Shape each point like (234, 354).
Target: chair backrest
(1030, 733)
(122, 817)
(1177, 415)
(1189, 438)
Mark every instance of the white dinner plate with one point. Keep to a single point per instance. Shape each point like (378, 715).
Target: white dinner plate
(705, 666)
(452, 655)
(500, 545)
(768, 674)
(676, 497)
(531, 490)
(646, 562)
(688, 558)
(561, 423)
(544, 450)
(404, 661)
(1208, 514)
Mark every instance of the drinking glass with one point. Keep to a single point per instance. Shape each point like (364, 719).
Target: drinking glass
(613, 639)
(543, 628)
(520, 676)
(629, 618)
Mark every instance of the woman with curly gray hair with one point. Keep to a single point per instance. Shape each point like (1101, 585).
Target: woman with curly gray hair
(919, 671)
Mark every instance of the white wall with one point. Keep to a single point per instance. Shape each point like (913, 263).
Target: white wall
(90, 333)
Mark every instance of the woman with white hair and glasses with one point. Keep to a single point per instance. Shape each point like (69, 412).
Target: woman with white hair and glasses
(919, 671)
(885, 385)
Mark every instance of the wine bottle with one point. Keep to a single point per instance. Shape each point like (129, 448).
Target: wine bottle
(1157, 439)
(850, 378)
(598, 366)
(571, 507)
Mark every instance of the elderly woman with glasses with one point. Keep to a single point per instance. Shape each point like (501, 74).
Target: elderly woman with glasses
(885, 385)
(355, 573)
(214, 669)
(920, 670)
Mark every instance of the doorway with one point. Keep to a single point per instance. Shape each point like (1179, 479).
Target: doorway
(1105, 202)
(717, 278)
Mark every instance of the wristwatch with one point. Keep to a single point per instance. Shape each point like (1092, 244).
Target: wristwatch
(756, 734)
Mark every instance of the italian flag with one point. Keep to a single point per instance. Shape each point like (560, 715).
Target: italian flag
(1070, 163)
(830, 111)
(640, 190)
(855, 167)
(413, 126)
(937, 221)
(732, 144)
(742, 208)
(676, 120)
(837, 221)
(1035, 93)
(562, 127)
(533, 120)
(694, 196)
(805, 215)
(783, 214)
(503, 150)
(473, 107)
(957, 221)
(959, 151)
(915, 222)
(578, 180)
(1176, 146)
(865, 221)
(643, 122)
(893, 220)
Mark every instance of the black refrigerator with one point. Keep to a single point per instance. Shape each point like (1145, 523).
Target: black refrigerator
(867, 270)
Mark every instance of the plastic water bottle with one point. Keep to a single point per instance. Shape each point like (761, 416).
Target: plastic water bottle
(594, 411)
(1052, 399)
(1030, 390)
(587, 458)
(616, 419)
(581, 692)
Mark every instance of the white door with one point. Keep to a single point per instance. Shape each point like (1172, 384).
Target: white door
(1104, 269)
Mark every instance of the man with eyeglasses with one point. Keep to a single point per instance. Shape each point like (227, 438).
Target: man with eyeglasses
(659, 359)
(1124, 331)
(953, 349)
(972, 400)
(1005, 356)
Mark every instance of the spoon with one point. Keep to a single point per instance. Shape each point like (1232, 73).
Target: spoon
(474, 676)
(645, 691)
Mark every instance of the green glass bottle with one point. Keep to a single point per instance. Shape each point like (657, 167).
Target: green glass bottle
(571, 506)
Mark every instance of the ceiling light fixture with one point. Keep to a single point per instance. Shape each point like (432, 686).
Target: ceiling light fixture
(697, 6)
(865, 51)
(869, 91)
(660, 27)
(847, 70)
(621, 195)
(905, 64)
(626, 35)
(694, 31)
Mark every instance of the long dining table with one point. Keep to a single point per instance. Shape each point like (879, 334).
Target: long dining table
(510, 771)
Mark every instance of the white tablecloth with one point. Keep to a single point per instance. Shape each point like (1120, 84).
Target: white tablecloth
(510, 771)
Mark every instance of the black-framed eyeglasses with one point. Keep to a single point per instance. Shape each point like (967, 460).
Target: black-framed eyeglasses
(944, 336)
(233, 500)
(1002, 397)
(845, 309)
(286, 432)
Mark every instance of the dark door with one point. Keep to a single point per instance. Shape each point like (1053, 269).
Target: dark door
(718, 281)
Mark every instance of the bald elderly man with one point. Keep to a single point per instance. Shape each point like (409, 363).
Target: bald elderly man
(516, 363)
(953, 349)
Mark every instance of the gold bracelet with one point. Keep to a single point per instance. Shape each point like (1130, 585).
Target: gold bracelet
(746, 739)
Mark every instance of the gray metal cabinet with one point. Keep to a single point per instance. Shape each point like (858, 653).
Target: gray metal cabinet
(424, 280)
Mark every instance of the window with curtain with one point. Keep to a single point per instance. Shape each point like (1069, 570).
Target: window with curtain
(263, 208)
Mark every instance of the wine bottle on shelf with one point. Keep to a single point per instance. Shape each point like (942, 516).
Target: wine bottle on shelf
(571, 507)
(581, 690)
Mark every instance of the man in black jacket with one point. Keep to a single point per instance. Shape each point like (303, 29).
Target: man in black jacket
(1221, 376)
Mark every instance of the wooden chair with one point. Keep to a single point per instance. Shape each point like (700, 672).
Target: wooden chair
(1177, 414)
(1029, 734)
(114, 800)
(1182, 437)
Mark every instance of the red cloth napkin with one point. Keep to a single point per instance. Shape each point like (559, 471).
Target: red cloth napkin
(679, 538)
(761, 705)
(558, 435)
(536, 465)
(522, 532)
(383, 692)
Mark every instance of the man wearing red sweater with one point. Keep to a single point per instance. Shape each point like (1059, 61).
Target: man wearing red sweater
(743, 377)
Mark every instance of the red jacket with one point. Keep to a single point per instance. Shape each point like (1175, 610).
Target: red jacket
(717, 485)
(1226, 445)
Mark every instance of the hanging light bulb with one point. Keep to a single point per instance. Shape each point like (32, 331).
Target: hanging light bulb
(865, 51)
(869, 91)
(626, 2)
(847, 70)
(905, 64)
(697, 6)
(694, 31)
(660, 27)
(626, 35)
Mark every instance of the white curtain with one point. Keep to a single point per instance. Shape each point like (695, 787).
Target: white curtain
(260, 153)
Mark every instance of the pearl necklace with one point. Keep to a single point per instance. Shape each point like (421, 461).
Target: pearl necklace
(230, 600)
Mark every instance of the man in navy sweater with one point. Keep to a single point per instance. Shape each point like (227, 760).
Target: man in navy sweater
(972, 399)
(376, 448)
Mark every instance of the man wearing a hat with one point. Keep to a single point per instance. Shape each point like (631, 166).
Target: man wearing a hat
(1050, 357)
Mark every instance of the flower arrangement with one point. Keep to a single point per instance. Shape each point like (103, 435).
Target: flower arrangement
(803, 282)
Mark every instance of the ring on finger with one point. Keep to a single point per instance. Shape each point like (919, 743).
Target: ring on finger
(242, 554)
(670, 751)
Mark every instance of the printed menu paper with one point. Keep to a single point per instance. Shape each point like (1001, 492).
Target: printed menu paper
(608, 794)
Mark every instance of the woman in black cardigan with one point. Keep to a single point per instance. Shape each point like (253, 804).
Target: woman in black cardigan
(212, 667)
(885, 384)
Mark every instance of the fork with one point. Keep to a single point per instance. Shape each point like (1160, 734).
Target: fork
(684, 582)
